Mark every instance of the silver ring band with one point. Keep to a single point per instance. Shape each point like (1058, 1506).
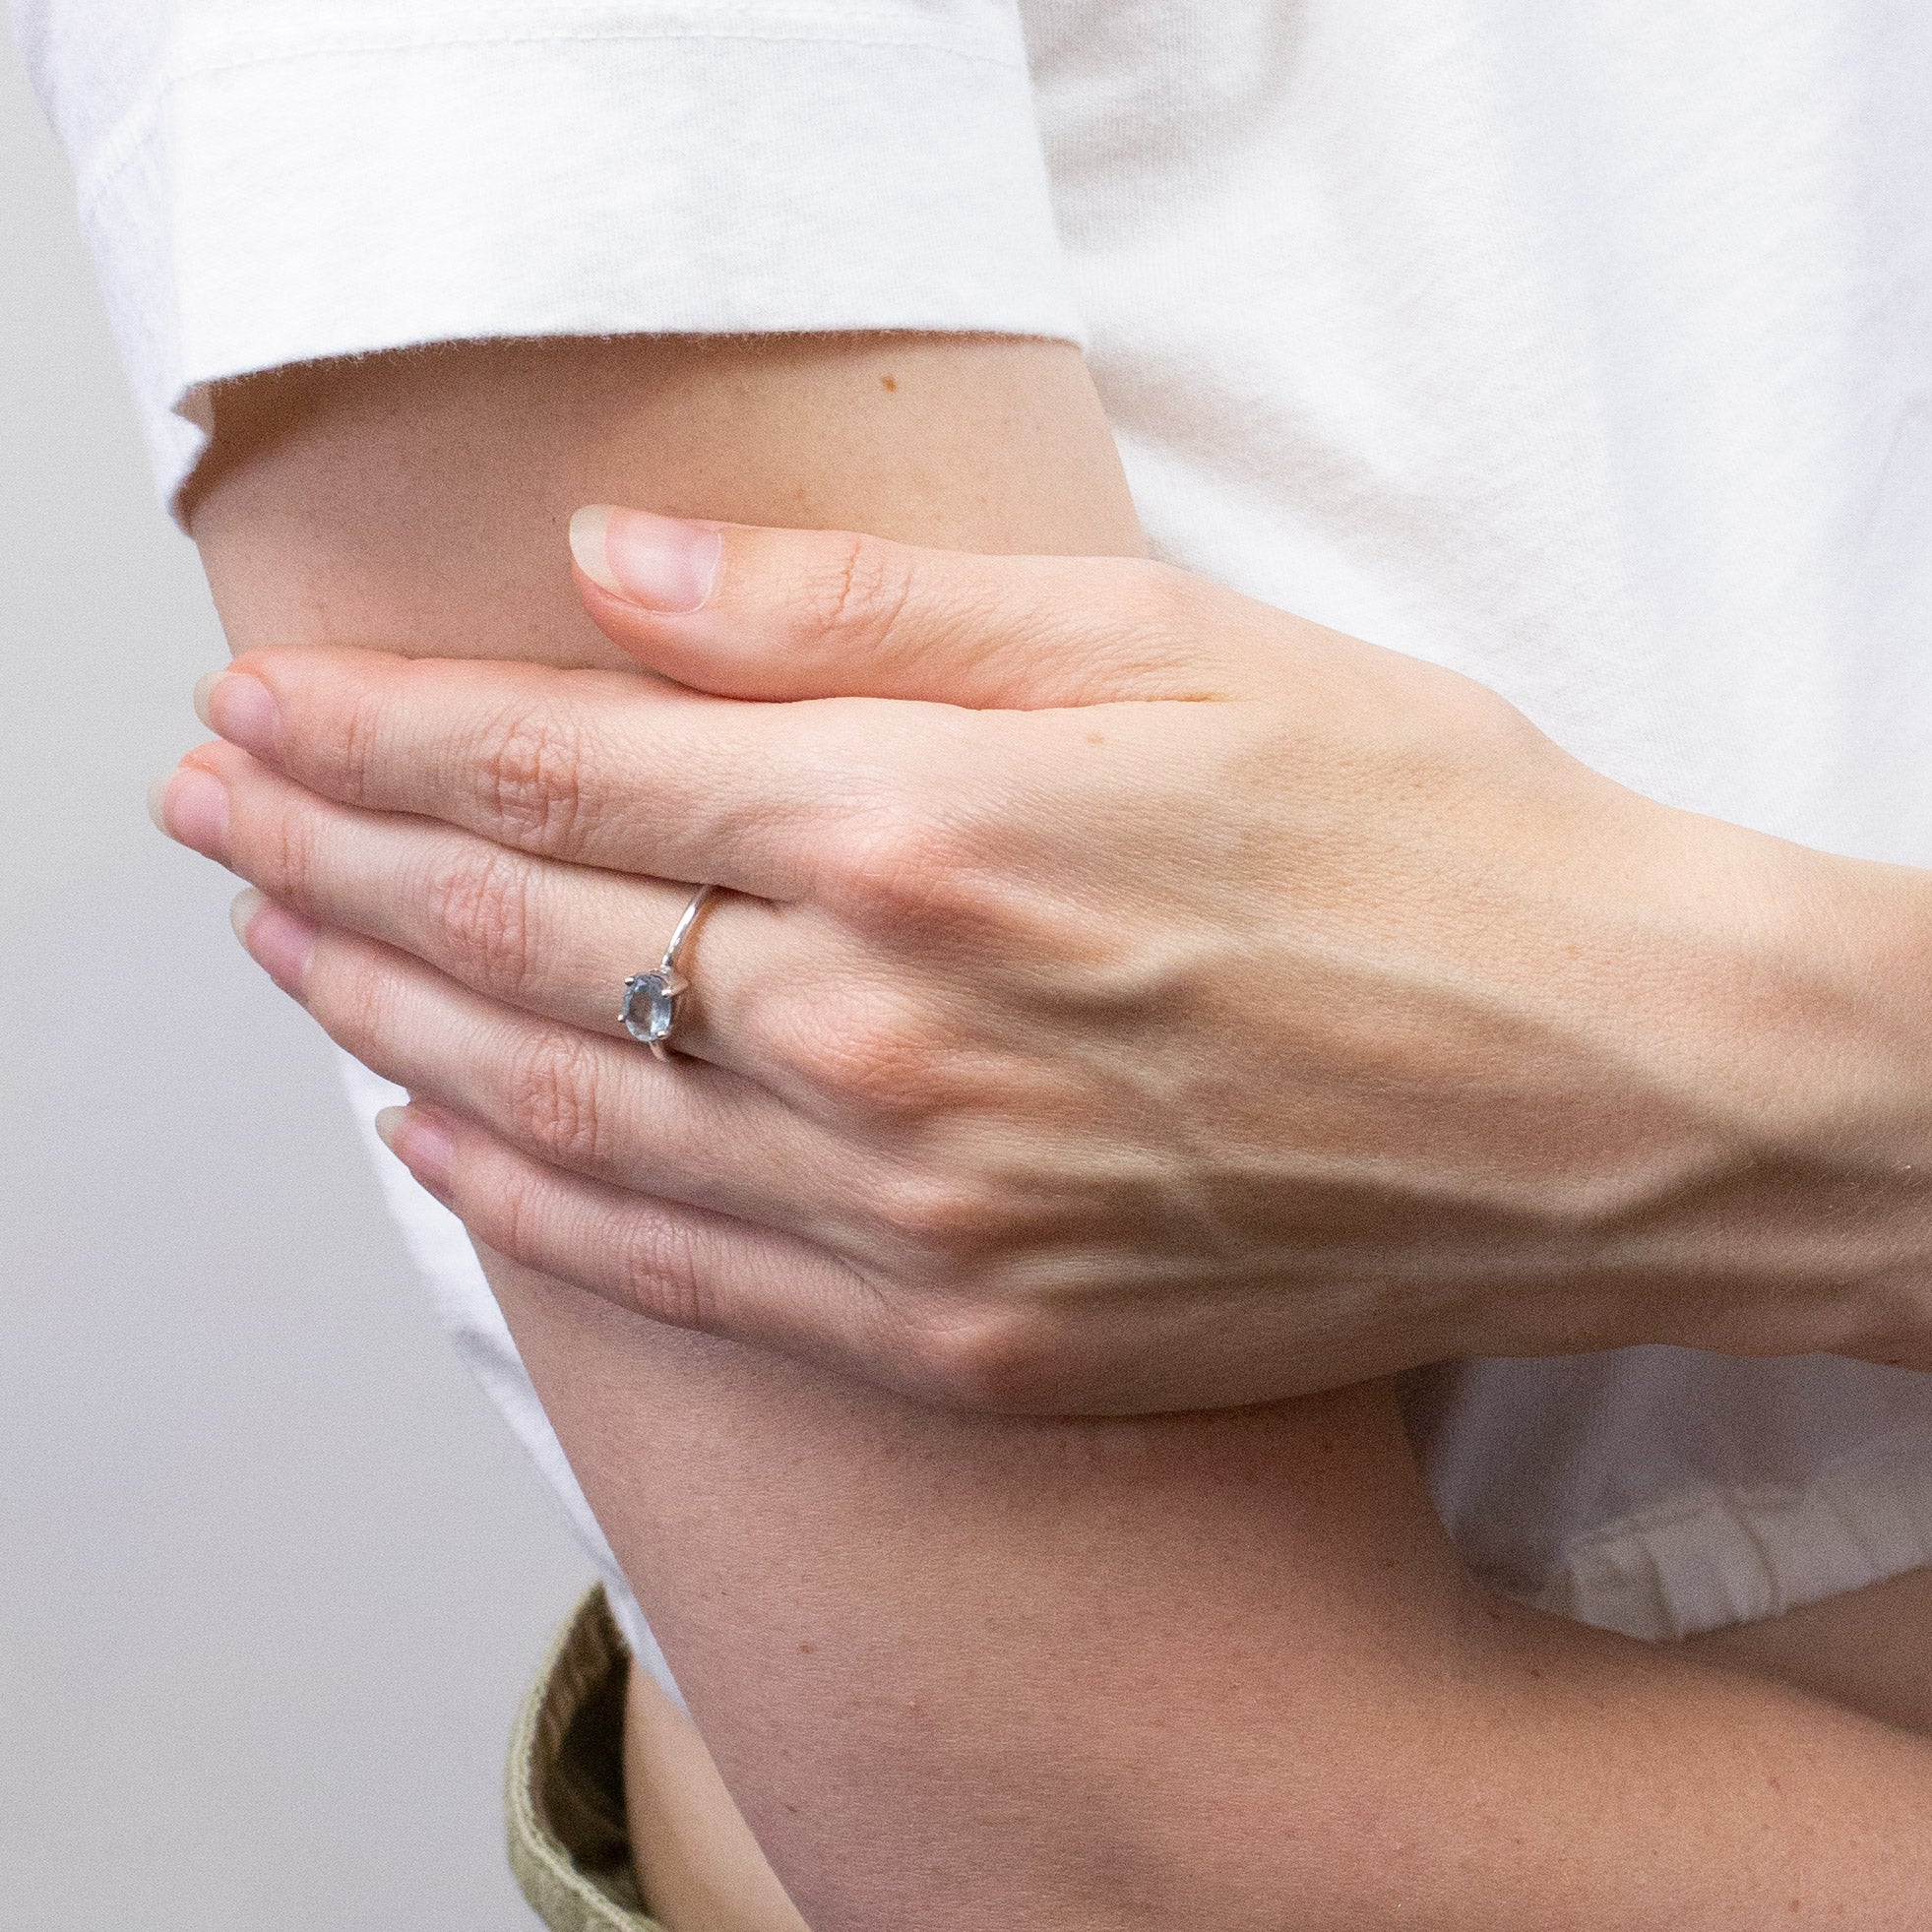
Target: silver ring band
(652, 999)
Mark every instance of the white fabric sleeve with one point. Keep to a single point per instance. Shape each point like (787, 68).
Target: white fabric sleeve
(474, 1323)
(272, 181)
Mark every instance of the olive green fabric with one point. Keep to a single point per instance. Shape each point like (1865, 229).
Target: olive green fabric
(570, 1846)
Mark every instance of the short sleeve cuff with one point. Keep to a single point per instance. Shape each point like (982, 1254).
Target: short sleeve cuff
(432, 175)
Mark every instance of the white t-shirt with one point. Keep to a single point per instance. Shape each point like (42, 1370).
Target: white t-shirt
(1586, 349)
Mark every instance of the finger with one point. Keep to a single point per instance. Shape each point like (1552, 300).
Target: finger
(661, 1259)
(789, 615)
(685, 1131)
(555, 940)
(596, 768)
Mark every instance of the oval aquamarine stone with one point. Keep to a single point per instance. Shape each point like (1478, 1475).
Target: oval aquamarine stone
(649, 1006)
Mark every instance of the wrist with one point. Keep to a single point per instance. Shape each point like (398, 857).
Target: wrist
(1782, 1001)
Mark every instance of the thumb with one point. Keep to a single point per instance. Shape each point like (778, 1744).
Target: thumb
(792, 614)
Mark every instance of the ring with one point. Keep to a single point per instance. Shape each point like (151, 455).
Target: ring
(652, 999)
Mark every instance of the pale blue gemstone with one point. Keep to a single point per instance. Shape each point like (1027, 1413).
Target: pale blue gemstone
(649, 1007)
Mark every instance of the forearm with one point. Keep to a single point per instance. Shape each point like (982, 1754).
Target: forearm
(1209, 1668)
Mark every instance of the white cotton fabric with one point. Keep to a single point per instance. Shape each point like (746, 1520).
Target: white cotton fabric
(270, 181)
(1586, 349)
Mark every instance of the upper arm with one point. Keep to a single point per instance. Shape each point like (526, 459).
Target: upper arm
(418, 499)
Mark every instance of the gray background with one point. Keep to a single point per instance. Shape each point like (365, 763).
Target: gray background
(272, 1576)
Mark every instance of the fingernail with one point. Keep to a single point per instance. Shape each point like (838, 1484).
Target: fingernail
(241, 915)
(280, 942)
(658, 563)
(240, 707)
(192, 807)
(421, 1144)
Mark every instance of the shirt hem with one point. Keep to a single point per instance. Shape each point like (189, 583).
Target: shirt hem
(1713, 1556)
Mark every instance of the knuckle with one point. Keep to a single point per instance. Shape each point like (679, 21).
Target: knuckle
(901, 866)
(355, 1001)
(870, 1060)
(514, 1215)
(530, 768)
(482, 906)
(279, 849)
(553, 1097)
(1001, 1356)
(660, 1264)
(350, 753)
(859, 589)
(944, 1221)
(1489, 719)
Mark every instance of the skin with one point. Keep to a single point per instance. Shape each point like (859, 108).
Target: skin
(960, 1667)
(1865, 1651)
(1199, 1006)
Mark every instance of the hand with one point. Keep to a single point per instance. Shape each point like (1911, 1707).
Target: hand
(1124, 996)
